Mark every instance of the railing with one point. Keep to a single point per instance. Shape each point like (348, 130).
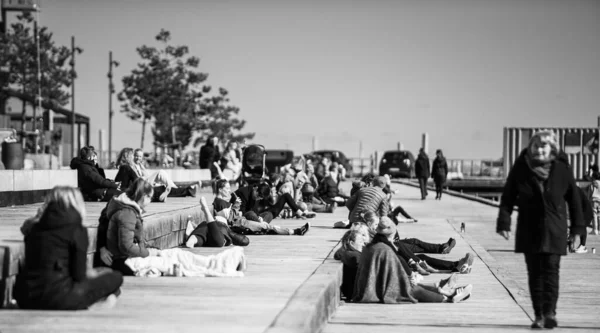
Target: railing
(476, 168)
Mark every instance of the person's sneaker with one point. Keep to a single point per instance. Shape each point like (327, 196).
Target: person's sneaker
(309, 215)
(550, 321)
(449, 284)
(417, 268)
(415, 278)
(449, 246)
(462, 293)
(538, 323)
(581, 249)
(302, 230)
(464, 264)
(331, 208)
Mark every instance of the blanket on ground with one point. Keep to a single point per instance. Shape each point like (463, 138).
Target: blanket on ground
(380, 277)
(229, 263)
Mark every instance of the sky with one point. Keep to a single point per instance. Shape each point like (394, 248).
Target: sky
(348, 72)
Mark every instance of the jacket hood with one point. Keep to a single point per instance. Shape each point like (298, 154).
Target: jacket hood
(55, 217)
(122, 202)
(75, 162)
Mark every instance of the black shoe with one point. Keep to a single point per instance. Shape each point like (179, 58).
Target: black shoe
(237, 239)
(538, 323)
(550, 322)
(302, 230)
(448, 246)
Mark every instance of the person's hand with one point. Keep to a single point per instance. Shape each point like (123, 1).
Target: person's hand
(106, 256)
(504, 233)
(574, 242)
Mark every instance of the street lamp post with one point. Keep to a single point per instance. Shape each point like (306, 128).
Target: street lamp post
(74, 51)
(111, 91)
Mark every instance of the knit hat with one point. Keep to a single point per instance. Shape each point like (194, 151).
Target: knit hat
(386, 226)
(308, 188)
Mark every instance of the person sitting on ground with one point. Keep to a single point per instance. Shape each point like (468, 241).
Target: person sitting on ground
(93, 185)
(125, 234)
(55, 274)
(594, 196)
(369, 199)
(328, 189)
(160, 180)
(382, 278)
(212, 233)
(226, 207)
(352, 244)
(314, 203)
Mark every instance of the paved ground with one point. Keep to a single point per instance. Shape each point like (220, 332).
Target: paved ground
(500, 300)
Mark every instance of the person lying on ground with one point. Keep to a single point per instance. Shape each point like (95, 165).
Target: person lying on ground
(93, 185)
(55, 275)
(212, 233)
(226, 209)
(352, 244)
(382, 278)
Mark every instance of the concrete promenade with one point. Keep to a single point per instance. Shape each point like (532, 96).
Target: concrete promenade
(500, 299)
(292, 282)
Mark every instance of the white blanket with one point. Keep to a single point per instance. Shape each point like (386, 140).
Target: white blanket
(229, 263)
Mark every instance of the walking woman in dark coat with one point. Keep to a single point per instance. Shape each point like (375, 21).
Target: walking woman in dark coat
(439, 172)
(209, 153)
(55, 276)
(541, 185)
(422, 171)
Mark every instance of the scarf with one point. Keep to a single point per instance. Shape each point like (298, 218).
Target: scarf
(541, 169)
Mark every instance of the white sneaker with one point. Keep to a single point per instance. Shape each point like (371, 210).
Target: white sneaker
(581, 249)
(462, 293)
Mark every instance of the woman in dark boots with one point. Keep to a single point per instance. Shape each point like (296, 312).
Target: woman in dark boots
(439, 172)
(55, 276)
(541, 184)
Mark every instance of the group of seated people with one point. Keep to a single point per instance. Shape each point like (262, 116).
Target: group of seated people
(373, 254)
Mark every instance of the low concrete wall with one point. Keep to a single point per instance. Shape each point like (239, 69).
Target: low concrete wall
(32, 180)
(177, 175)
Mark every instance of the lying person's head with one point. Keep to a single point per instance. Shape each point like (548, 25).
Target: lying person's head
(363, 229)
(223, 188)
(354, 240)
(140, 191)
(371, 219)
(387, 227)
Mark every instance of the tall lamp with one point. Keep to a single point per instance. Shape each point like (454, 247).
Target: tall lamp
(111, 91)
(74, 50)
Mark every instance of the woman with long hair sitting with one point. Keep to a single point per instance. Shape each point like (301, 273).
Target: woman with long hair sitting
(55, 276)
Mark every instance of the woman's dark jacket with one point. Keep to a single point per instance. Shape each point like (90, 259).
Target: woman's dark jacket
(56, 251)
(126, 176)
(328, 189)
(439, 170)
(542, 219)
(422, 167)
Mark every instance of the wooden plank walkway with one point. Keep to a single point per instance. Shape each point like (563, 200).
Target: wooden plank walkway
(500, 299)
(277, 267)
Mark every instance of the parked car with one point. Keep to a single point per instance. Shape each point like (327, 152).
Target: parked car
(397, 163)
(335, 156)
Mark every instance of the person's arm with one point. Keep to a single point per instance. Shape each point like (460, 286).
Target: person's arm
(78, 254)
(572, 197)
(100, 181)
(507, 200)
(384, 207)
(350, 203)
(127, 220)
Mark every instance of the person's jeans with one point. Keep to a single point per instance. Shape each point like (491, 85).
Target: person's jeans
(438, 187)
(260, 226)
(209, 234)
(423, 186)
(543, 274)
(399, 210)
(283, 199)
(87, 292)
(443, 265)
(427, 294)
(418, 246)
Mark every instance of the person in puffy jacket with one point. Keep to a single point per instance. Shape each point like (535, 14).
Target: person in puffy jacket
(439, 172)
(422, 171)
(55, 275)
(125, 234)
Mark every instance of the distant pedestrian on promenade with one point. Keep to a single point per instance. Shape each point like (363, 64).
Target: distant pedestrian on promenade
(209, 153)
(55, 276)
(439, 172)
(422, 171)
(541, 184)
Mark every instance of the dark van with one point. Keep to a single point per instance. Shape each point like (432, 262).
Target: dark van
(397, 163)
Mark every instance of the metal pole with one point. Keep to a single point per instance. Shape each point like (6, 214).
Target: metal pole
(73, 153)
(38, 81)
(110, 111)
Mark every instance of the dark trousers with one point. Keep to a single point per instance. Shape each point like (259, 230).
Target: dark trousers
(419, 246)
(118, 264)
(439, 184)
(444, 265)
(209, 234)
(283, 199)
(423, 186)
(543, 270)
(399, 210)
(252, 216)
(81, 296)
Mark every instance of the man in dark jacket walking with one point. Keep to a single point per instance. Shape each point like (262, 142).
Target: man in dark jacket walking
(209, 153)
(422, 171)
(541, 184)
